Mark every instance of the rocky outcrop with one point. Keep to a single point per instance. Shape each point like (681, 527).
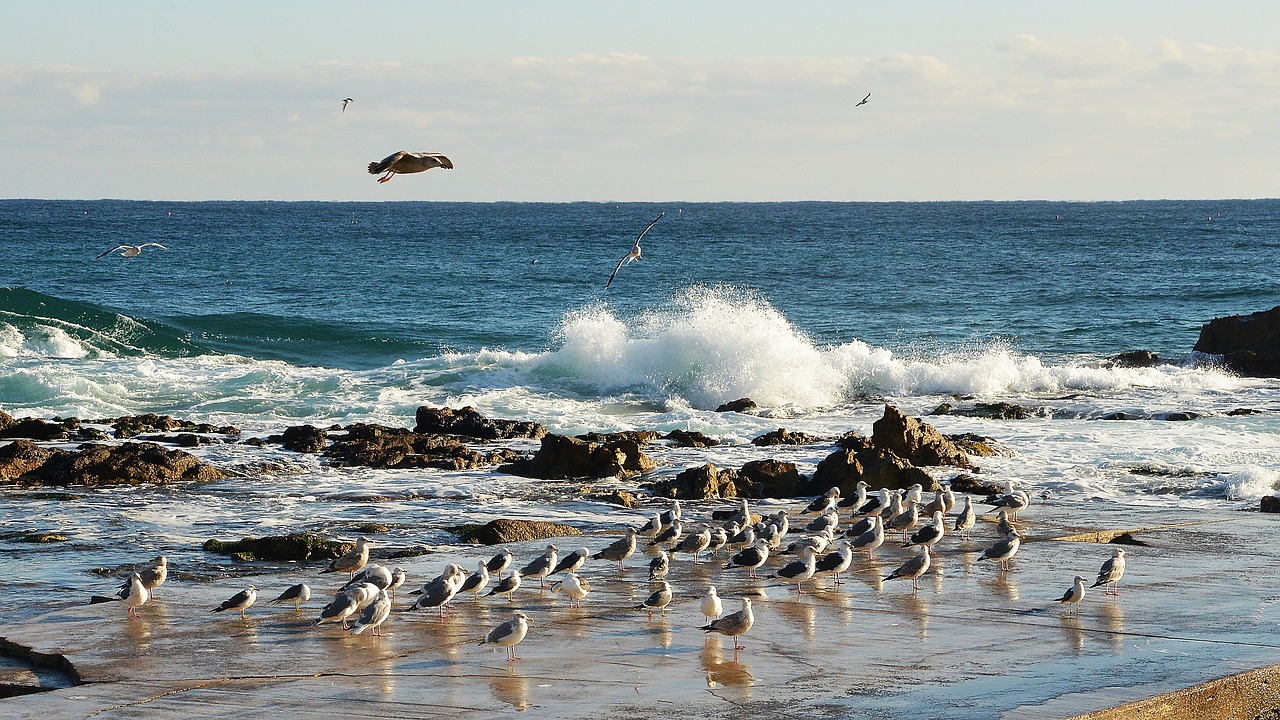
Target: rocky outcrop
(968, 483)
(302, 438)
(1248, 344)
(704, 482)
(770, 479)
(978, 445)
(379, 446)
(878, 468)
(133, 425)
(690, 438)
(21, 457)
(991, 411)
(36, 429)
(469, 423)
(741, 405)
(504, 530)
(1134, 359)
(562, 458)
(638, 437)
(1269, 504)
(127, 464)
(782, 436)
(914, 440)
(295, 547)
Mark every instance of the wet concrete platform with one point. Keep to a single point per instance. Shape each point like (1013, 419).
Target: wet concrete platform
(1200, 602)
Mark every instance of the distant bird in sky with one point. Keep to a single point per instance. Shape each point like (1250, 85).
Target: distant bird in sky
(634, 255)
(345, 101)
(408, 162)
(864, 100)
(130, 250)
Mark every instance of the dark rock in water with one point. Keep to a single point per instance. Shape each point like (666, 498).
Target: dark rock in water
(690, 438)
(639, 437)
(1243, 411)
(562, 458)
(35, 429)
(966, 483)
(770, 479)
(1248, 344)
(782, 436)
(1269, 504)
(617, 497)
(469, 423)
(1116, 416)
(993, 411)
(845, 467)
(915, 441)
(1179, 416)
(1128, 539)
(379, 446)
(978, 445)
(741, 405)
(36, 537)
(127, 464)
(704, 482)
(293, 547)
(133, 425)
(302, 438)
(1134, 359)
(21, 457)
(504, 530)
(855, 441)
(945, 408)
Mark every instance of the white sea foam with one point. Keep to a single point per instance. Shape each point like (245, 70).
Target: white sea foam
(1252, 483)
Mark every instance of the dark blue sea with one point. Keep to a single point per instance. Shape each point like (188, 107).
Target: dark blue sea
(270, 314)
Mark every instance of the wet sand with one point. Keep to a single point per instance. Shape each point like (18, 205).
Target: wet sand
(1199, 603)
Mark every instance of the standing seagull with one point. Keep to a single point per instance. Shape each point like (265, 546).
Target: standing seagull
(374, 615)
(500, 562)
(345, 101)
(872, 538)
(574, 586)
(476, 581)
(965, 518)
(659, 566)
(836, 561)
(695, 543)
(800, 570)
(929, 535)
(404, 163)
(913, 568)
(1004, 550)
(711, 606)
(152, 577)
(750, 558)
(509, 634)
(734, 624)
(657, 601)
(572, 562)
(619, 550)
(634, 255)
(1075, 594)
(352, 561)
(130, 251)
(541, 566)
(506, 585)
(136, 596)
(240, 601)
(299, 594)
(1111, 572)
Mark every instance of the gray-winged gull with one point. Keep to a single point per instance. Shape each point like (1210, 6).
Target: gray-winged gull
(799, 571)
(541, 566)
(1004, 550)
(509, 634)
(351, 562)
(750, 558)
(619, 550)
(913, 568)
(1111, 572)
(374, 615)
(658, 600)
(476, 581)
(297, 594)
(1075, 594)
(506, 585)
(240, 601)
(734, 624)
(634, 255)
(571, 562)
(130, 251)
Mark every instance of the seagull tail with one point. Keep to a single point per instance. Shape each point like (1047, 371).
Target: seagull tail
(373, 168)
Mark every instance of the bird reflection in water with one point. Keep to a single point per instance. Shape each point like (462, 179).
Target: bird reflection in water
(511, 688)
(1003, 584)
(803, 614)
(721, 672)
(1070, 623)
(1112, 615)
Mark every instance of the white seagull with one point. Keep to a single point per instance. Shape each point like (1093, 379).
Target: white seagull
(634, 255)
(1111, 572)
(711, 606)
(131, 250)
(1074, 595)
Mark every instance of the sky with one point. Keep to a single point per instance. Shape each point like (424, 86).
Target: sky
(641, 101)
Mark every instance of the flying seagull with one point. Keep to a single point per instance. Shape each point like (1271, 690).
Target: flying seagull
(863, 101)
(345, 101)
(634, 255)
(408, 162)
(130, 250)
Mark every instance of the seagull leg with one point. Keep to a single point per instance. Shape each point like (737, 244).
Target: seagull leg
(386, 177)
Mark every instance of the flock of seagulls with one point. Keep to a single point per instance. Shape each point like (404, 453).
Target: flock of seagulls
(823, 545)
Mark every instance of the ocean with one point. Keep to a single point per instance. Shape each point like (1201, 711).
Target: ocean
(270, 314)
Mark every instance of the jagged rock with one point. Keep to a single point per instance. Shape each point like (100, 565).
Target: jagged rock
(21, 457)
(1243, 411)
(638, 437)
(967, 483)
(704, 482)
(6, 420)
(1134, 359)
(845, 467)
(1269, 504)
(562, 458)
(379, 446)
(855, 441)
(469, 423)
(504, 530)
(1248, 344)
(770, 478)
(617, 497)
(690, 438)
(127, 464)
(915, 441)
(992, 411)
(1116, 416)
(741, 405)
(294, 547)
(978, 445)
(1180, 416)
(302, 438)
(782, 436)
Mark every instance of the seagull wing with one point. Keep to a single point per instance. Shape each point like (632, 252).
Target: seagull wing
(650, 226)
(118, 247)
(155, 245)
(388, 161)
(611, 277)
